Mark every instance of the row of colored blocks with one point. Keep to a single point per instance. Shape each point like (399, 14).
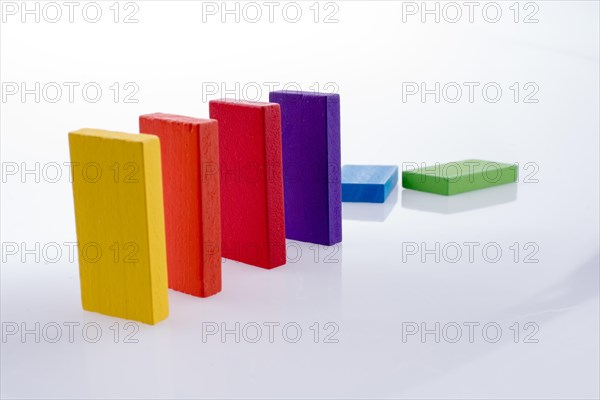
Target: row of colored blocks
(159, 209)
(168, 203)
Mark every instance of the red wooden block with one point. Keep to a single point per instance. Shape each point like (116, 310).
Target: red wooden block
(253, 225)
(190, 170)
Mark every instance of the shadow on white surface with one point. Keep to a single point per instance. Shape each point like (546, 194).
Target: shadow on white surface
(539, 312)
(578, 287)
(370, 211)
(435, 203)
(312, 275)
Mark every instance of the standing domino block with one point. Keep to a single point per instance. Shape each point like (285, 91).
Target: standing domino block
(117, 190)
(252, 216)
(459, 177)
(368, 183)
(311, 165)
(190, 161)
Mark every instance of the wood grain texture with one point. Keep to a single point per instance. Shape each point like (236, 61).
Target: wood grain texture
(190, 166)
(252, 214)
(117, 190)
(311, 165)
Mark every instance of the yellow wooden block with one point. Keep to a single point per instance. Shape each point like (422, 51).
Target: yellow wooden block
(117, 188)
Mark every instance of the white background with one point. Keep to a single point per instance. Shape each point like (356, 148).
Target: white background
(371, 286)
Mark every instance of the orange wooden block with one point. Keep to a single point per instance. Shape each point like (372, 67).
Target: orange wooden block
(190, 165)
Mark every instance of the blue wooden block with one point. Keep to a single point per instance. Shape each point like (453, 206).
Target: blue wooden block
(368, 183)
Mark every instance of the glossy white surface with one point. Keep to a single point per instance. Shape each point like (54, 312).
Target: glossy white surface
(375, 286)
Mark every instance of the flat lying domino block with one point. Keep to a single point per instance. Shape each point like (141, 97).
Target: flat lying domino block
(190, 168)
(117, 190)
(252, 216)
(459, 177)
(311, 165)
(368, 183)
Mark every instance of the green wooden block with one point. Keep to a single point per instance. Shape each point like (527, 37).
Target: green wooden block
(459, 177)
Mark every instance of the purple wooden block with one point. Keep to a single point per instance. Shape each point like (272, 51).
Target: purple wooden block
(310, 124)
